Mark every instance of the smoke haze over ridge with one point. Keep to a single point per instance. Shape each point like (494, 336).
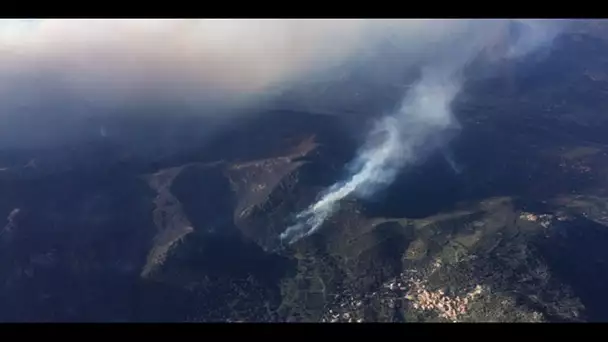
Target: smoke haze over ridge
(57, 71)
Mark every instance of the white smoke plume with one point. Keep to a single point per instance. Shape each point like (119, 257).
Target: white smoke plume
(400, 138)
(394, 141)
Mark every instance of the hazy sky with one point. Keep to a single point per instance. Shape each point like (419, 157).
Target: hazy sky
(67, 69)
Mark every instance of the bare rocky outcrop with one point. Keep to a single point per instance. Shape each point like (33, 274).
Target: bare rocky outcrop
(171, 222)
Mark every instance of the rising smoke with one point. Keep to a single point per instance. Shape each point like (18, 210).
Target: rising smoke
(399, 138)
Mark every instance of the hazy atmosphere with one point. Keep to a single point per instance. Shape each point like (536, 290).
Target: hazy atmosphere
(58, 73)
